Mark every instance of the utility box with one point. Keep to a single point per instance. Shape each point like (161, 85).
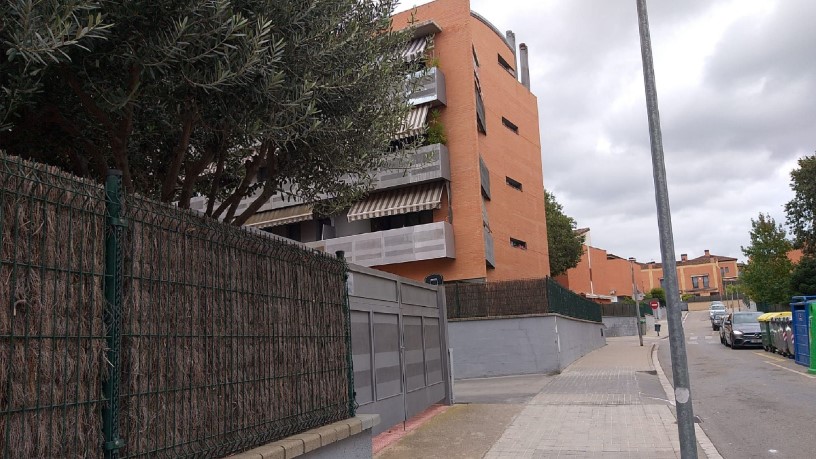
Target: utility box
(801, 328)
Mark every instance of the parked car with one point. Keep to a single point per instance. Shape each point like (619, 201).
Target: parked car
(716, 313)
(741, 329)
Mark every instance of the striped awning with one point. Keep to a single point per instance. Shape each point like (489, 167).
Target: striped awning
(414, 122)
(415, 48)
(400, 201)
(277, 217)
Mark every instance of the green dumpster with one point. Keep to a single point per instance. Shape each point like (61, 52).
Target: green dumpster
(765, 327)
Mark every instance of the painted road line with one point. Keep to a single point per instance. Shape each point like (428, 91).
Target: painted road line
(791, 370)
(770, 356)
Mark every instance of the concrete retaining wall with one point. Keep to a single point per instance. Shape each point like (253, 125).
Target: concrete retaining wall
(520, 345)
(620, 326)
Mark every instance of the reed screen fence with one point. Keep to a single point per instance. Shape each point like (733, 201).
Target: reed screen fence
(518, 297)
(130, 328)
(626, 309)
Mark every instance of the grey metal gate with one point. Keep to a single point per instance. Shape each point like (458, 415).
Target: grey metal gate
(399, 345)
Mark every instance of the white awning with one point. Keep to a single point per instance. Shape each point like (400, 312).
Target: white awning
(414, 122)
(277, 217)
(399, 201)
(415, 48)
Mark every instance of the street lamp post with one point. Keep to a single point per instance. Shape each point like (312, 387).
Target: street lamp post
(637, 300)
(677, 339)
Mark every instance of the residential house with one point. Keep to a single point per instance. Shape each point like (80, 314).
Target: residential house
(702, 276)
(469, 209)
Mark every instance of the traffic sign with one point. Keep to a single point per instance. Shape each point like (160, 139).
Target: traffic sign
(654, 304)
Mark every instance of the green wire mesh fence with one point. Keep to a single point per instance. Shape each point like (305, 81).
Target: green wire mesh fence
(192, 338)
(518, 297)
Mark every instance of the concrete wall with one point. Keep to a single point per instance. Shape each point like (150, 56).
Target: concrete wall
(620, 326)
(354, 447)
(520, 345)
(576, 338)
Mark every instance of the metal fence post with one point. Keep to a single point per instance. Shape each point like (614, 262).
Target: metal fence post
(113, 310)
(341, 255)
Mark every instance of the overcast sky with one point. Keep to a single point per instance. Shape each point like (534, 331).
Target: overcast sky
(736, 82)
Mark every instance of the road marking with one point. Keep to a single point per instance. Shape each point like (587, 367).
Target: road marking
(791, 370)
(709, 337)
(770, 356)
(693, 337)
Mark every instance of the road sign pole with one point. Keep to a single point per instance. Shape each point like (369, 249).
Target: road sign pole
(677, 339)
(637, 300)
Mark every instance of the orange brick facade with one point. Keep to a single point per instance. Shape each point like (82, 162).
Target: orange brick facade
(717, 269)
(602, 276)
(511, 213)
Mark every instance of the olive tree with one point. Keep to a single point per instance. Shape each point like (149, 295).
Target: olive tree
(192, 98)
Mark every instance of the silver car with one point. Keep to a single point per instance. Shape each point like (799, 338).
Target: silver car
(716, 314)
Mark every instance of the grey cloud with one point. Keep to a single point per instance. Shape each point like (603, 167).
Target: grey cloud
(728, 141)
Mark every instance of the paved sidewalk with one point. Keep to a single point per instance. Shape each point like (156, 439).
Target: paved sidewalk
(609, 404)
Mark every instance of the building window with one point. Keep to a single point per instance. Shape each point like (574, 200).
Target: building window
(519, 244)
(401, 220)
(513, 183)
(661, 283)
(509, 125)
(506, 66)
(695, 281)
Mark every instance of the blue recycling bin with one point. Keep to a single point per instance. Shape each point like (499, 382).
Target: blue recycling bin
(801, 328)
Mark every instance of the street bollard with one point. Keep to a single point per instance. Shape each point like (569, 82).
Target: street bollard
(657, 329)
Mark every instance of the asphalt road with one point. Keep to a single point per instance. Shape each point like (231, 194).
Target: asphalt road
(751, 403)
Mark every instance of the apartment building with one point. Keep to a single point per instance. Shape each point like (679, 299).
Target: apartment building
(471, 208)
(602, 276)
(705, 275)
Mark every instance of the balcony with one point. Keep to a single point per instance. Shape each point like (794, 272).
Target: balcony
(427, 164)
(413, 243)
(430, 87)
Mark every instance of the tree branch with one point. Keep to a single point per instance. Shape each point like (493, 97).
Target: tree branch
(194, 170)
(268, 190)
(168, 189)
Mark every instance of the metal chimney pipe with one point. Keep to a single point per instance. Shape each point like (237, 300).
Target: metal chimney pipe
(525, 66)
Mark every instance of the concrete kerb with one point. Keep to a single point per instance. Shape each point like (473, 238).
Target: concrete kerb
(705, 443)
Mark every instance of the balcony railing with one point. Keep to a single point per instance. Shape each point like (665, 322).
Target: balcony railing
(430, 87)
(413, 243)
(427, 164)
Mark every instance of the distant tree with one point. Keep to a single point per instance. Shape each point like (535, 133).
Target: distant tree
(766, 277)
(686, 297)
(801, 210)
(803, 278)
(565, 247)
(659, 294)
(201, 98)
